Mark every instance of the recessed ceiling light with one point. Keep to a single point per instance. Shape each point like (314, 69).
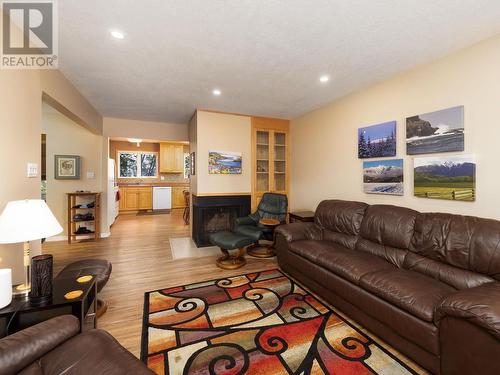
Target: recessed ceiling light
(117, 34)
(216, 92)
(324, 78)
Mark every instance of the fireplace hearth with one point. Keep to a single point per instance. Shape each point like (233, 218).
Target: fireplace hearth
(216, 213)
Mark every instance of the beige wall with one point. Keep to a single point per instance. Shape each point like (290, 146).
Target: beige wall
(324, 142)
(223, 132)
(114, 127)
(65, 137)
(21, 94)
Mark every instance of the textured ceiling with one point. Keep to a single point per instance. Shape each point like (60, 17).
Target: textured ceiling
(265, 55)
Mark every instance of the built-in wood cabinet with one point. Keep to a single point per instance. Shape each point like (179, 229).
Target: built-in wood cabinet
(178, 199)
(171, 158)
(271, 150)
(136, 198)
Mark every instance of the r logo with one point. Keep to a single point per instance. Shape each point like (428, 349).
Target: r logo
(28, 28)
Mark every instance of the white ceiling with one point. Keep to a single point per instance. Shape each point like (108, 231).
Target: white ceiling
(264, 55)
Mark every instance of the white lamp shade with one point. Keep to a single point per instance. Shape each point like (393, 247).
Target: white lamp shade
(27, 220)
(5, 287)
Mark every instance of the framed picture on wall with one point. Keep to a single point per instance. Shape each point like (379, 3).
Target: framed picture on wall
(377, 141)
(383, 177)
(66, 167)
(193, 164)
(224, 162)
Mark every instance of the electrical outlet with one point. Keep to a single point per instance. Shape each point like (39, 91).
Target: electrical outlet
(162, 178)
(32, 170)
(90, 175)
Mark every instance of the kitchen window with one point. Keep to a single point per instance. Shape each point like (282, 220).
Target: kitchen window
(137, 164)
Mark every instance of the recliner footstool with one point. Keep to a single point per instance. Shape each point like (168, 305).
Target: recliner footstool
(99, 268)
(231, 241)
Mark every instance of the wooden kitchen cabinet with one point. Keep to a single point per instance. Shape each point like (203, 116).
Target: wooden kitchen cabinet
(136, 198)
(178, 200)
(171, 158)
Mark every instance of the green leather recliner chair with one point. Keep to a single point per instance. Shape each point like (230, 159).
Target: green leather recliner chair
(271, 206)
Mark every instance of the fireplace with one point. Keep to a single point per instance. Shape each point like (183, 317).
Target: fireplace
(216, 213)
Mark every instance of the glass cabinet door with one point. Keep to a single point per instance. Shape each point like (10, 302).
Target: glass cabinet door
(280, 160)
(263, 161)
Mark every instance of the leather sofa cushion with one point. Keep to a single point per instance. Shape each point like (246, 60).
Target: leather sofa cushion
(390, 254)
(467, 242)
(349, 264)
(453, 276)
(388, 225)
(411, 291)
(340, 216)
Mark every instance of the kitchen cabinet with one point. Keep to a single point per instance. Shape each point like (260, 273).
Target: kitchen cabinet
(136, 198)
(171, 158)
(178, 200)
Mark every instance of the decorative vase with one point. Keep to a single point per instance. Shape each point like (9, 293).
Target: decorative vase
(41, 279)
(5, 287)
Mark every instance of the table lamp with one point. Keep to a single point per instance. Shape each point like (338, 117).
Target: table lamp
(25, 221)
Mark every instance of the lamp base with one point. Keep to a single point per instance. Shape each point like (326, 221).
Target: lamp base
(21, 291)
(40, 301)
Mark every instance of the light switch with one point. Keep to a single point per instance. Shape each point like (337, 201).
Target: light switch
(32, 170)
(90, 175)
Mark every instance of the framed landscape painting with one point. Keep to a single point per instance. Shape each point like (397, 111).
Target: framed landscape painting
(66, 167)
(224, 162)
(377, 141)
(445, 177)
(383, 177)
(440, 131)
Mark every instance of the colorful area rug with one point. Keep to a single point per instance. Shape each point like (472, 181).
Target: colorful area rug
(259, 323)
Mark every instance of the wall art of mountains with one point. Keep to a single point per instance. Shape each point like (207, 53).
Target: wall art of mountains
(383, 177)
(445, 177)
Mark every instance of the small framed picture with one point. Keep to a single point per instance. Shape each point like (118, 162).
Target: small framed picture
(192, 172)
(66, 167)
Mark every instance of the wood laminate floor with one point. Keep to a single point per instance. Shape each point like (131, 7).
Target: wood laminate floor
(139, 250)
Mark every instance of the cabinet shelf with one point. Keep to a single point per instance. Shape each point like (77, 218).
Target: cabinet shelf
(263, 144)
(72, 209)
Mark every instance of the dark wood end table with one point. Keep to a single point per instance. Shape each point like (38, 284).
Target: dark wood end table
(305, 216)
(22, 314)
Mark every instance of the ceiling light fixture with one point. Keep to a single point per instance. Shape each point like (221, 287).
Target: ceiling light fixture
(216, 92)
(117, 34)
(137, 141)
(324, 78)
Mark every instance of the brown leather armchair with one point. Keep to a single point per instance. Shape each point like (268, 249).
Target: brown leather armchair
(56, 347)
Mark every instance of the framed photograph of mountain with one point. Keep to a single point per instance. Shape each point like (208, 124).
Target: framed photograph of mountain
(383, 177)
(440, 131)
(224, 162)
(445, 177)
(377, 141)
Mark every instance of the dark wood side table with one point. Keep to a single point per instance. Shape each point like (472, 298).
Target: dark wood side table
(84, 306)
(306, 216)
(260, 250)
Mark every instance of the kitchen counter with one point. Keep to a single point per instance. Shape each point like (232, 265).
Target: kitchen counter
(151, 184)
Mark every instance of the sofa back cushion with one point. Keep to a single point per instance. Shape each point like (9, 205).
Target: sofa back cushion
(469, 243)
(340, 221)
(386, 231)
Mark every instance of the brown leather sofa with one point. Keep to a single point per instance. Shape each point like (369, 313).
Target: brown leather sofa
(56, 347)
(426, 283)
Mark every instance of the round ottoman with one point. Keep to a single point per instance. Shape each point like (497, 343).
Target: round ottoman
(228, 241)
(99, 268)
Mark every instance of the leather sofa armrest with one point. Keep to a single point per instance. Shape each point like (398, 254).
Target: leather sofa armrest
(299, 231)
(245, 220)
(479, 306)
(24, 347)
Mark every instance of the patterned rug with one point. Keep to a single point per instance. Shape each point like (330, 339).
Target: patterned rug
(259, 323)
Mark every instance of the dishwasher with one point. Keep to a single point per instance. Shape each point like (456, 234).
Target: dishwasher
(162, 198)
